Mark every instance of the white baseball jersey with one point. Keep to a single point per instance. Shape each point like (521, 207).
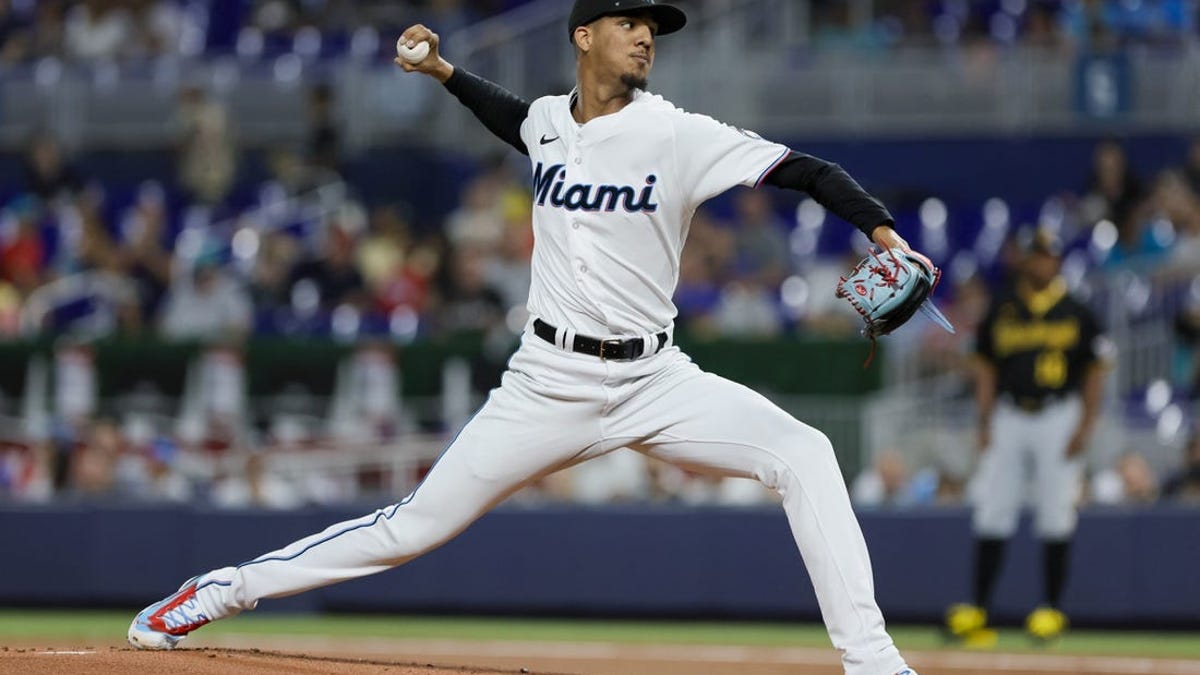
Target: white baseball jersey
(612, 202)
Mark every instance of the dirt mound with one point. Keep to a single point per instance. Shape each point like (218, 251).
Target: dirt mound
(124, 660)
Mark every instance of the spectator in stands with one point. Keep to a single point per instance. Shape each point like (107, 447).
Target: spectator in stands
(93, 466)
(1114, 190)
(618, 477)
(98, 30)
(324, 136)
(10, 310)
(144, 253)
(479, 220)
(47, 36)
(508, 271)
(1042, 27)
(334, 274)
(1130, 481)
(1187, 336)
(254, 487)
(381, 254)
(410, 287)
(761, 238)
(48, 176)
(706, 261)
(25, 473)
(207, 153)
(1191, 165)
(833, 28)
(1087, 26)
(14, 35)
(1161, 22)
(1173, 204)
(1184, 484)
(1139, 243)
(276, 19)
(22, 253)
(367, 406)
(468, 302)
(206, 304)
(696, 293)
(214, 414)
(748, 309)
(152, 473)
(166, 481)
(96, 250)
(159, 27)
(909, 23)
(270, 286)
(884, 483)
(824, 314)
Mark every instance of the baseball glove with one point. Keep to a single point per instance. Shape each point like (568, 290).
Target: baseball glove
(888, 289)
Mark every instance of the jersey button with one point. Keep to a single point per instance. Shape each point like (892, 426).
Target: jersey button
(579, 160)
(575, 225)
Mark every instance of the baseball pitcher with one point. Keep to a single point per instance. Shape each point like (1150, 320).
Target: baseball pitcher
(617, 174)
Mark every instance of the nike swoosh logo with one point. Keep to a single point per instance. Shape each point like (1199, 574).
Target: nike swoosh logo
(548, 141)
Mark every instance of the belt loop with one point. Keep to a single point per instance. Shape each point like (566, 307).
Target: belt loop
(569, 339)
(560, 337)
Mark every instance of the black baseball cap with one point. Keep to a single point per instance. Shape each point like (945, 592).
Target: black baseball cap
(668, 17)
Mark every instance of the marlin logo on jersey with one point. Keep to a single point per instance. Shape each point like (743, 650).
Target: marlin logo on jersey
(551, 184)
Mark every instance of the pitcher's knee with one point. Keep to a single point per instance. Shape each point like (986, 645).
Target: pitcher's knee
(809, 447)
(803, 453)
(406, 534)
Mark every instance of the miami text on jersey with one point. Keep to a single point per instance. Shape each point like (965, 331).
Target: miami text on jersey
(552, 183)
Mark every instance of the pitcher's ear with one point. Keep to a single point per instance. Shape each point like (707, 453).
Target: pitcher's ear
(583, 39)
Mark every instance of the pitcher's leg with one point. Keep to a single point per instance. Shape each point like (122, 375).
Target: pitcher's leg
(450, 499)
(508, 443)
(716, 425)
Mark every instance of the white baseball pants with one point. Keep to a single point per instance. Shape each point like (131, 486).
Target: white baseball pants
(556, 408)
(1019, 437)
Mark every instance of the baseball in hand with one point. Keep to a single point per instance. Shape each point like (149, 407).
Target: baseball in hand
(412, 55)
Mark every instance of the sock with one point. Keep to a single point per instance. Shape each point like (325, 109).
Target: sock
(1055, 556)
(989, 553)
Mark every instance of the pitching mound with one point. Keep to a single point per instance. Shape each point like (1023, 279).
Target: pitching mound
(124, 660)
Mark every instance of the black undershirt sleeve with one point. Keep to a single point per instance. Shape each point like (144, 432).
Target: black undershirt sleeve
(500, 110)
(833, 188)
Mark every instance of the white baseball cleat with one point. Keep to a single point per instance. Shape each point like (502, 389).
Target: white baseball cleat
(166, 622)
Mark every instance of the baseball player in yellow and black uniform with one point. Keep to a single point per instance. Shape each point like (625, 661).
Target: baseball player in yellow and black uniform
(1041, 362)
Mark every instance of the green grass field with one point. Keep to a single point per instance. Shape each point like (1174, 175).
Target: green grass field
(107, 626)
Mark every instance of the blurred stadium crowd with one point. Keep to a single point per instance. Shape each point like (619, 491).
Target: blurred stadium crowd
(199, 256)
(133, 29)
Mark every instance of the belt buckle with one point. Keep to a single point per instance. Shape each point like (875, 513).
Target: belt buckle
(614, 341)
(1030, 405)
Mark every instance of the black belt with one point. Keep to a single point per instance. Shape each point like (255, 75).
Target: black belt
(1033, 404)
(614, 349)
